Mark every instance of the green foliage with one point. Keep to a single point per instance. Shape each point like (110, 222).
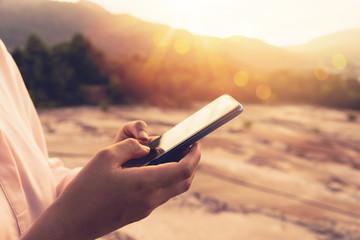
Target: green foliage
(35, 62)
(55, 76)
(61, 75)
(302, 87)
(248, 124)
(104, 105)
(316, 130)
(352, 117)
(172, 83)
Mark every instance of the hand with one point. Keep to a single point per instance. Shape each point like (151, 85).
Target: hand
(135, 129)
(105, 196)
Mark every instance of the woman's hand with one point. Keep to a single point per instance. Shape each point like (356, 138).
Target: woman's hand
(105, 196)
(135, 129)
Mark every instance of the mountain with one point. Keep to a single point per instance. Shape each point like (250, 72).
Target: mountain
(126, 36)
(12, 4)
(123, 36)
(344, 42)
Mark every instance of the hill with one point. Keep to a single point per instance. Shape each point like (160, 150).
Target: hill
(52, 21)
(157, 64)
(126, 36)
(344, 42)
(17, 3)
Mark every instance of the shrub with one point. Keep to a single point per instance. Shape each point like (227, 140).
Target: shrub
(352, 117)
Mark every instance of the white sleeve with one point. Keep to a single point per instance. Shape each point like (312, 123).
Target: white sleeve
(20, 96)
(62, 175)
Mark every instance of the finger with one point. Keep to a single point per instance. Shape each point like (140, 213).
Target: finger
(134, 129)
(126, 150)
(166, 174)
(170, 191)
(192, 158)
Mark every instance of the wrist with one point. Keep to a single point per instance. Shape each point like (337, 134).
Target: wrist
(56, 223)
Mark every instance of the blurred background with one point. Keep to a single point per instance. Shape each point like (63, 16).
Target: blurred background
(286, 168)
(263, 51)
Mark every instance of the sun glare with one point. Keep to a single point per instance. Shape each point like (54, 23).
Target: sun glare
(181, 46)
(241, 78)
(321, 73)
(263, 91)
(191, 13)
(161, 39)
(339, 61)
(185, 6)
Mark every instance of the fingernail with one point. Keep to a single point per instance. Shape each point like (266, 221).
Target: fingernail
(146, 148)
(143, 135)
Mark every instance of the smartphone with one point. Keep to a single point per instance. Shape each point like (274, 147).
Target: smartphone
(173, 144)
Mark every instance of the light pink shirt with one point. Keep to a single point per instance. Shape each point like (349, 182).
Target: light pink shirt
(29, 180)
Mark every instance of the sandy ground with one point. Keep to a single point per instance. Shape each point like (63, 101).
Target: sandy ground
(275, 172)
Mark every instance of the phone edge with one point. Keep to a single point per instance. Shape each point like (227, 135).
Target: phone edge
(199, 135)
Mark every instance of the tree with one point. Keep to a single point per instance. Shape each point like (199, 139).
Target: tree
(37, 68)
(56, 76)
(86, 61)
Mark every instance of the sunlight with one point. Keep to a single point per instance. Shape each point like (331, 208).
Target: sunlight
(339, 61)
(241, 78)
(162, 39)
(321, 73)
(236, 39)
(186, 6)
(263, 91)
(278, 22)
(152, 66)
(182, 46)
(192, 13)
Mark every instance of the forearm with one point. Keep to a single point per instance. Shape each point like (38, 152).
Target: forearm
(58, 222)
(104, 197)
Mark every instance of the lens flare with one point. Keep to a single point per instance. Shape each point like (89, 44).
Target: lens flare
(263, 91)
(241, 78)
(339, 61)
(182, 46)
(321, 73)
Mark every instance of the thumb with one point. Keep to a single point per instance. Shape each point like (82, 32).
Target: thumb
(129, 149)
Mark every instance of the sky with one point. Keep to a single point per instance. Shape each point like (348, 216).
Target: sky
(277, 22)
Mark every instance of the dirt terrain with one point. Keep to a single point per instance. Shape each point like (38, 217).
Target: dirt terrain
(275, 172)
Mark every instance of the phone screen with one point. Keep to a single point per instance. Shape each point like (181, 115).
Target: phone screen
(195, 123)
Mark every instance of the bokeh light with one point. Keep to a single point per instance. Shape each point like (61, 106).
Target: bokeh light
(181, 46)
(263, 91)
(241, 78)
(321, 73)
(339, 61)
